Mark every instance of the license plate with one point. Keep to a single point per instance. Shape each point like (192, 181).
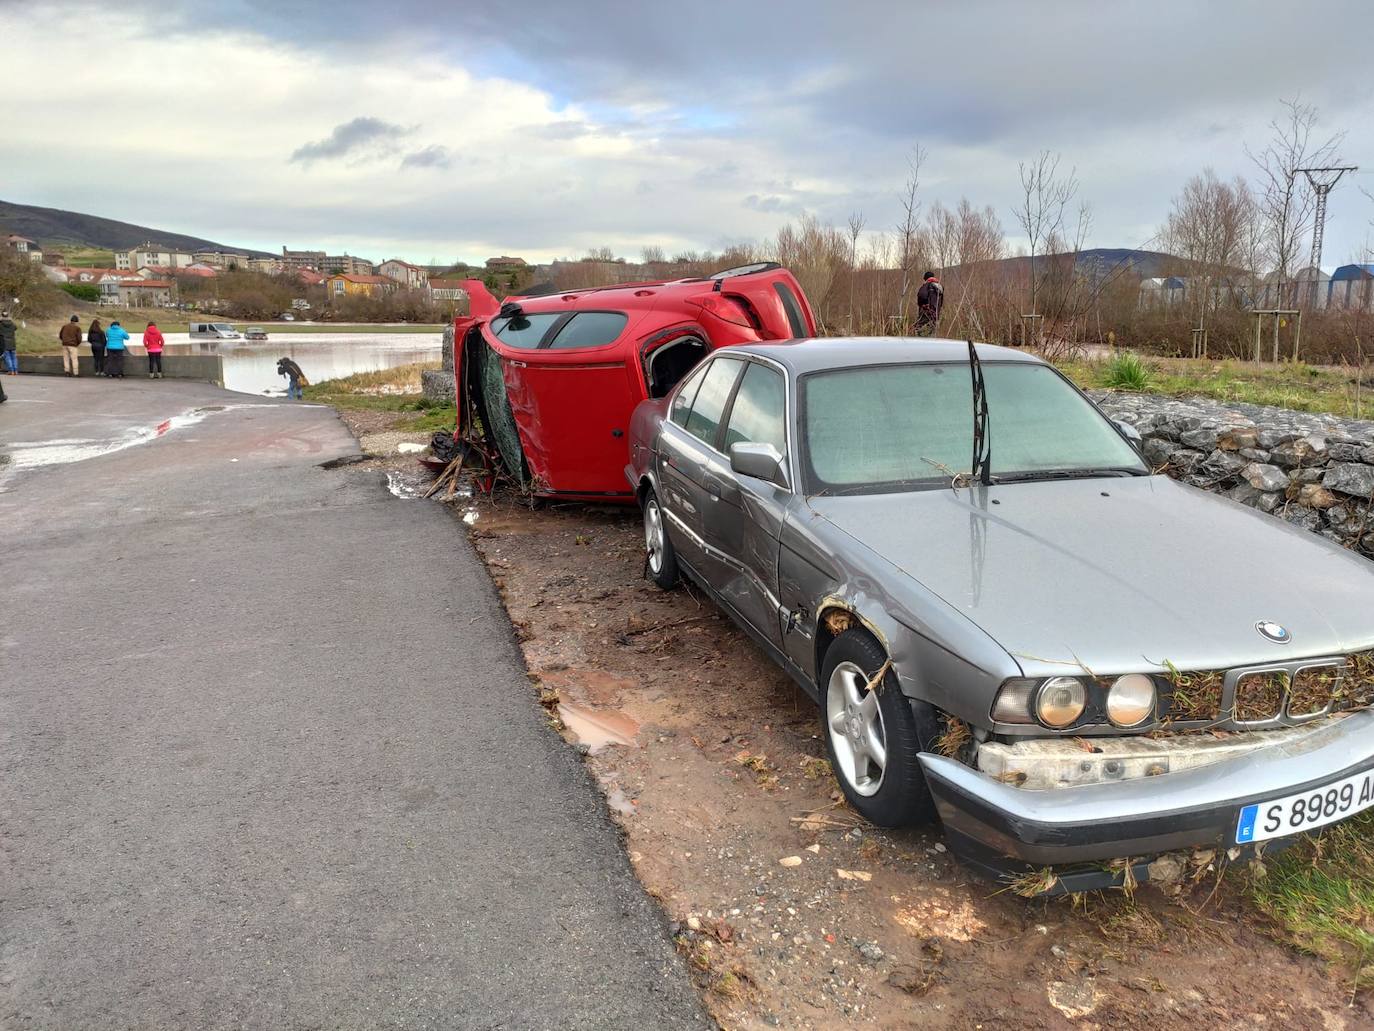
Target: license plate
(1302, 812)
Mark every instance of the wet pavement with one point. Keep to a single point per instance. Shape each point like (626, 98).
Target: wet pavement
(270, 757)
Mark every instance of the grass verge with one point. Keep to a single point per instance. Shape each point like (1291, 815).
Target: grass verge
(387, 390)
(1303, 388)
(1319, 894)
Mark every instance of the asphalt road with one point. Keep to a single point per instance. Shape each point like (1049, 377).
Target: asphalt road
(268, 756)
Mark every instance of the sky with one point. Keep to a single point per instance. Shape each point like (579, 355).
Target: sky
(441, 130)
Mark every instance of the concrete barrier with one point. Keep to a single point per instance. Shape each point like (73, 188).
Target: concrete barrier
(207, 368)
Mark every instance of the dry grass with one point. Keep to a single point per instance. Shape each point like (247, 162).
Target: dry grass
(1313, 689)
(1259, 696)
(955, 737)
(1195, 696)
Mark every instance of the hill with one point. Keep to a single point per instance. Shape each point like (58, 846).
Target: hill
(1104, 261)
(55, 229)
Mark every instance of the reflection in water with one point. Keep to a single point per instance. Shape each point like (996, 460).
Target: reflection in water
(251, 366)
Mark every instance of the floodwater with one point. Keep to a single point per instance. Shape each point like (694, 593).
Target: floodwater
(250, 366)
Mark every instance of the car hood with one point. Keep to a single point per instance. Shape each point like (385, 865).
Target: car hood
(1118, 574)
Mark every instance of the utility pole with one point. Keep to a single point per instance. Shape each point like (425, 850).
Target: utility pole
(1322, 181)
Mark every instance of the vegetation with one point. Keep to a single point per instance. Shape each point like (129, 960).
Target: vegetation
(1304, 388)
(1127, 372)
(1320, 896)
(387, 390)
(81, 291)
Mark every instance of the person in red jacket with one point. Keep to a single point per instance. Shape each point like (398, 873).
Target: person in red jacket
(152, 343)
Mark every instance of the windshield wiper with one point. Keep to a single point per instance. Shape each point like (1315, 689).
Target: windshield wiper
(981, 469)
(1071, 474)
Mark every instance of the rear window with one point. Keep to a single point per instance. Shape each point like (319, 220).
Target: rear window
(524, 330)
(590, 329)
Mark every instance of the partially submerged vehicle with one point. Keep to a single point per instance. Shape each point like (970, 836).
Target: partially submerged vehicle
(548, 382)
(255, 333)
(213, 331)
(1005, 618)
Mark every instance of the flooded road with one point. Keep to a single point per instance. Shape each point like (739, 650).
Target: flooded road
(250, 366)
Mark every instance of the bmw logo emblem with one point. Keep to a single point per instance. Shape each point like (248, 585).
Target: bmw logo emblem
(1273, 631)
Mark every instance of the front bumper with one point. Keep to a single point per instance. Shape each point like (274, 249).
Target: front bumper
(1200, 807)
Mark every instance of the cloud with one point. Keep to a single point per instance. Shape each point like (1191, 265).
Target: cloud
(362, 134)
(433, 156)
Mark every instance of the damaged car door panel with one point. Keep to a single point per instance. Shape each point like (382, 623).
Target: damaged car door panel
(1004, 618)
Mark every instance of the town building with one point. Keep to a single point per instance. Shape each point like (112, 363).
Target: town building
(221, 259)
(26, 247)
(138, 293)
(295, 260)
(163, 272)
(505, 263)
(450, 290)
(267, 266)
(309, 277)
(356, 284)
(346, 264)
(411, 277)
(153, 255)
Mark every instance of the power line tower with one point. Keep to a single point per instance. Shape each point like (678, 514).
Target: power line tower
(1323, 180)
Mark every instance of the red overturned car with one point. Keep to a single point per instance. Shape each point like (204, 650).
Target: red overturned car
(546, 384)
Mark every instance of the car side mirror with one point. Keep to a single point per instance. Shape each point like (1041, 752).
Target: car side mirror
(761, 461)
(1129, 432)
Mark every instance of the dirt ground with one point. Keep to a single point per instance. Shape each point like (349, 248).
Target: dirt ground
(790, 910)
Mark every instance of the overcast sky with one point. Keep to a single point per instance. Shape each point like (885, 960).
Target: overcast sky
(425, 130)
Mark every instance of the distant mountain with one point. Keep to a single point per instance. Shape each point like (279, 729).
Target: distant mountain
(55, 229)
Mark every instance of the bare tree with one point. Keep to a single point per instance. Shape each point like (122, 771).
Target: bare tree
(1211, 228)
(1045, 197)
(1284, 199)
(856, 226)
(909, 228)
(652, 255)
(815, 252)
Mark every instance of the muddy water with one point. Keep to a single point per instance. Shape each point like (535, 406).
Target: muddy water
(251, 366)
(597, 728)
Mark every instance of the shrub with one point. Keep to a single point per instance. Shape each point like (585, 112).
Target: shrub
(82, 291)
(1128, 372)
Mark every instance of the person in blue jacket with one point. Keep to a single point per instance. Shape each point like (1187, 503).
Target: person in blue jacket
(116, 341)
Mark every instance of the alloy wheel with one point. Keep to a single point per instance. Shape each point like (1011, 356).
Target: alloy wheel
(855, 724)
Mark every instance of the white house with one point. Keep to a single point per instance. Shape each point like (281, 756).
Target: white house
(25, 246)
(152, 255)
(412, 277)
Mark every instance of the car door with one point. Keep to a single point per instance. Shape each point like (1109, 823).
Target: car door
(686, 446)
(743, 514)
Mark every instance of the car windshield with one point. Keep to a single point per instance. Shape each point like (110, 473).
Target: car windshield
(224, 327)
(888, 428)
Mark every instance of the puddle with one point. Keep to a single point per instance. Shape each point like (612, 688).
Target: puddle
(34, 454)
(597, 728)
(619, 801)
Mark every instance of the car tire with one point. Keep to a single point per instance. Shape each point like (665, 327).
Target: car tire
(897, 796)
(660, 560)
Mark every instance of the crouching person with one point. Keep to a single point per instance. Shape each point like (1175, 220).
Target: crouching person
(295, 379)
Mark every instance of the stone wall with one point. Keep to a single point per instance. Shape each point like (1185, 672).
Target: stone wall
(437, 384)
(208, 368)
(1314, 471)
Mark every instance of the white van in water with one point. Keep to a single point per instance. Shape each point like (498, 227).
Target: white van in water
(213, 331)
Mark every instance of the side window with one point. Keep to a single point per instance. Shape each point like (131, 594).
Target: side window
(757, 416)
(711, 399)
(524, 331)
(682, 404)
(793, 309)
(590, 329)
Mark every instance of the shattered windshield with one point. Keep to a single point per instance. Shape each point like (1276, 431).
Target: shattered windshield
(884, 428)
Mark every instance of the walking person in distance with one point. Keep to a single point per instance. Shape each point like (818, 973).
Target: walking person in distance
(8, 334)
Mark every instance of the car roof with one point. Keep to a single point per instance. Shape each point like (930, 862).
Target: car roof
(818, 353)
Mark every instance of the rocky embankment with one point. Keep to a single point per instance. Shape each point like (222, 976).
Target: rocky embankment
(1314, 471)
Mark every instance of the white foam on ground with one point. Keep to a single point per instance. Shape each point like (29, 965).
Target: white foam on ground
(37, 453)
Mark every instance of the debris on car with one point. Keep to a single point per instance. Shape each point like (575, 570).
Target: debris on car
(546, 384)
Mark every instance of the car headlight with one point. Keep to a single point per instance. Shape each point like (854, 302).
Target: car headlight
(1131, 700)
(1060, 701)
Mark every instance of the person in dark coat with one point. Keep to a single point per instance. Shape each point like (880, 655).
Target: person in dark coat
(930, 299)
(9, 332)
(295, 379)
(70, 338)
(95, 336)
